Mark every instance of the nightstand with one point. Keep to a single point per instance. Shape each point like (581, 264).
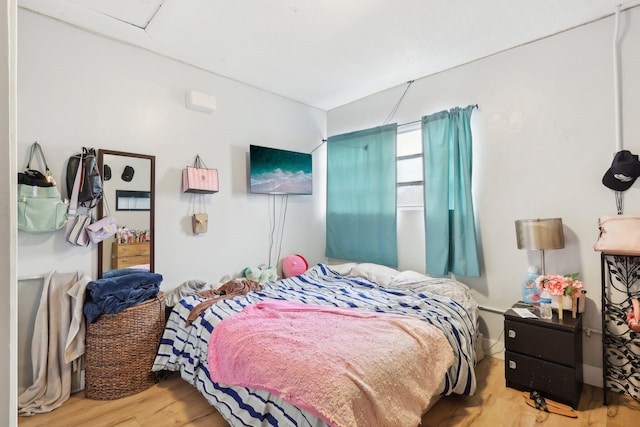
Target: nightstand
(544, 355)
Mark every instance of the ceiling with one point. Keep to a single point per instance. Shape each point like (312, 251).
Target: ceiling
(325, 53)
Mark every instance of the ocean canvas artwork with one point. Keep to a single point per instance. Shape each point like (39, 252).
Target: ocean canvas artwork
(275, 171)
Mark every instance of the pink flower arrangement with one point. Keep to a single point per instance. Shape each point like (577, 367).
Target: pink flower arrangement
(556, 284)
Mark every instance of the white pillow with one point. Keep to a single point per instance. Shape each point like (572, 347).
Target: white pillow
(380, 274)
(343, 269)
(408, 279)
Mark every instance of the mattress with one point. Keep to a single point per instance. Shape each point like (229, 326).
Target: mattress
(444, 303)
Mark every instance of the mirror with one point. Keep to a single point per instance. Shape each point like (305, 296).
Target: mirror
(129, 196)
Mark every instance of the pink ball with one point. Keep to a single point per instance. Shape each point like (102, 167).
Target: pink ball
(294, 265)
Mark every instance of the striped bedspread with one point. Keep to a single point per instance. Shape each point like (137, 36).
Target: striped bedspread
(185, 349)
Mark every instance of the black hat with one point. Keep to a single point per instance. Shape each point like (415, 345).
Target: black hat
(623, 172)
(106, 173)
(127, 174)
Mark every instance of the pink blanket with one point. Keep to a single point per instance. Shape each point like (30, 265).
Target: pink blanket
(347, 366)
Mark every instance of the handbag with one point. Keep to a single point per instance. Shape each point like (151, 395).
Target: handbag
(199, 221)
(90, 189)
(77, 234)
(199, 179)
(40, 207)
(79, 218)
(103, 228)
(33, 176)
(619, 235)
(199, 218)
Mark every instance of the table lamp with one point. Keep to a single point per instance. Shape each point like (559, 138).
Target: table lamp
(540, 234)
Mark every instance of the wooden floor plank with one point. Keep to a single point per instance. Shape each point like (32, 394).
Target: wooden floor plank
(174, 402)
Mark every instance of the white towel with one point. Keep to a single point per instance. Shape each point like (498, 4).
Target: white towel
(58, 341)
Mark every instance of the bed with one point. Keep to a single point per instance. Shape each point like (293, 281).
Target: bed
(443, 303)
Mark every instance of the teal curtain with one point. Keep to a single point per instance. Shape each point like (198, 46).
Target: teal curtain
(449, 218)
(361, 196)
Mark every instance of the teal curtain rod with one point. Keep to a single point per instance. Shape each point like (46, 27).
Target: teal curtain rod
(475, 106)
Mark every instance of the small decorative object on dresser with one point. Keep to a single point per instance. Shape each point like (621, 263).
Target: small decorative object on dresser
(561, 287)
(544, 355)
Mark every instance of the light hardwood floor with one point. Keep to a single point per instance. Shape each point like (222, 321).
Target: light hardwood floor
(173, 402)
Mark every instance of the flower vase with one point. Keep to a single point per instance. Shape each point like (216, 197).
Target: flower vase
(561, 303)
(560, 299)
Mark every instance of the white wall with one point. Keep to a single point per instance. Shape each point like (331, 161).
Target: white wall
(543, 138)
(78, 89)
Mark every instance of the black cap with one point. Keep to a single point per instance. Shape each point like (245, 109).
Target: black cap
(127, 174)
(106, 173)
(623, 172)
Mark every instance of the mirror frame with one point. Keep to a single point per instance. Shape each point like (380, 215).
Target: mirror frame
(152, 188)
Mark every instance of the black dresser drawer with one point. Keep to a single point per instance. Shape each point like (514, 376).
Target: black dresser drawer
(544, 355)
(546, 343)
(562, 383)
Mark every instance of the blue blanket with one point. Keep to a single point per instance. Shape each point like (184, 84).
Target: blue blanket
(113, 294)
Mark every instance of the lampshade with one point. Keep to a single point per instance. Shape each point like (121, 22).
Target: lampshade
(540, 233)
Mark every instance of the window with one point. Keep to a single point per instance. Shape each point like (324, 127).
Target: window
(410, 179)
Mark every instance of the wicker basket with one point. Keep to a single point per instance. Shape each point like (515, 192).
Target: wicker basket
(120, 350)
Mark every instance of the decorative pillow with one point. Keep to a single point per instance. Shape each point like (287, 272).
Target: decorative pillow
(294, 265)
(380, 274)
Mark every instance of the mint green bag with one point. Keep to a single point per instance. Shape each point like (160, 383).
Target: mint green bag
(40, 209)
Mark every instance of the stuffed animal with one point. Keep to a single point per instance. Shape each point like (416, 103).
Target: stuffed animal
(260, 274)
(294, 265)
